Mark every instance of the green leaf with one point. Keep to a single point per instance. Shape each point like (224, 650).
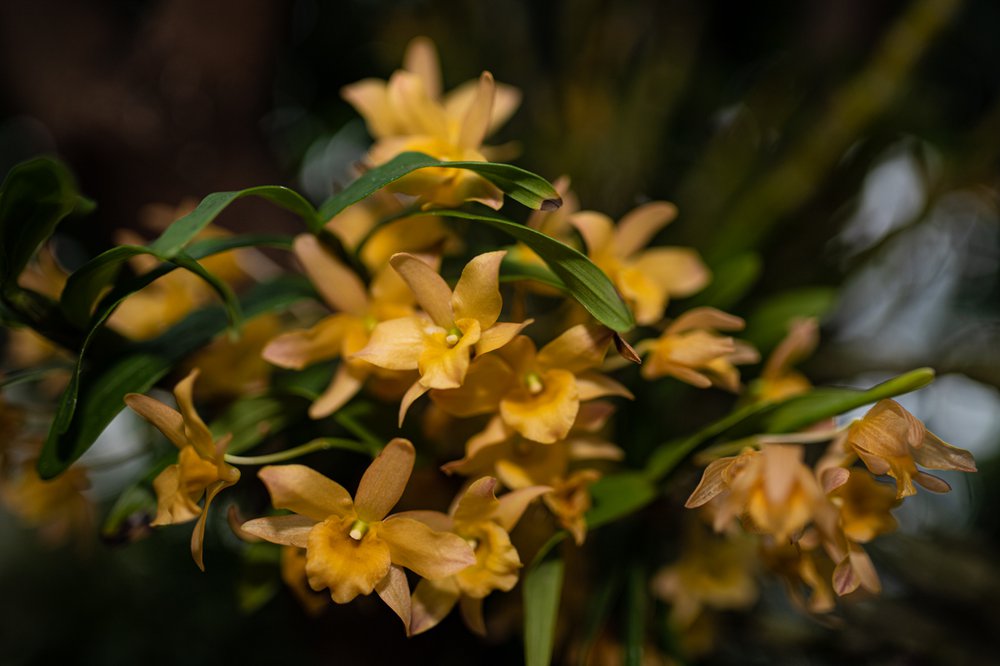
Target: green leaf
(584, 281)
(786, 416)
(95, 394)
(523, 186)
(636, 608)
(34, 197)
(542, 589)
(512, 270)
(618, 495)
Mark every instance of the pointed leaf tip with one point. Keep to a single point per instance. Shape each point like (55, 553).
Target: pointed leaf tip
(626, 350)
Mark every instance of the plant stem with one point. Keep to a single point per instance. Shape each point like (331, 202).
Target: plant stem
(321, 444)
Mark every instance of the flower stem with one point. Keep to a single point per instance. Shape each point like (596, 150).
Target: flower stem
(321, 444)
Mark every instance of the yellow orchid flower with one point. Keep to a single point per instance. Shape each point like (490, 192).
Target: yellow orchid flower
(357, 311)
(890, 440)
(231, 368)
(57, 507)
(457, 324)
(357, 223)
(802, 564)
(201, 468)
(647, 279)
(690, 350)
(501, 451)
(484, 521)
(409, 113)
(538, 393)
(778, 380)
(352, 547)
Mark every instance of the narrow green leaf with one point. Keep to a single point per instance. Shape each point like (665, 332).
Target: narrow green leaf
(782, 417)
(523, 186)
(584, 281)
(96, 393)
(229, 301)
(512, 270)
(542, 589)
(36, 373)
(618, 495)
(636, 609)
(34, 197)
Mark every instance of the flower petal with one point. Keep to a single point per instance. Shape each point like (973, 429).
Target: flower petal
(427, 553)
(173, 502)
(198, 536)
(478, 503)
(370, 98)
(411, 396)
(472, 613)
(513, 504)
(345, 385)
(476, 122)
(595, 385)
(638, 227)
(498, 335)
(505, 103)
(298, 349)
(395, 344)
(712, 484)
(548, 415)
(421, 58)
(597, 230)
(489, 378)
(194, 428)
(443, 366)
(395, 592)
(580, 348)
(345, 565)
(431, 603)
(384, 481)
(418, 113)
(306, 492)
(284, 530)
(477, 294)
(706, 318)
(339, 286)
(166, 420)
(934, 453)
(429, 288)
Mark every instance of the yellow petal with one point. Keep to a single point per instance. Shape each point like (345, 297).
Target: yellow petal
(513, 504)
(592, 385)
(497, 562)
(166, 420)
(395, 592)
(421, 58)
(472, 614)
(173, 502)
(646, 298)
(505, 103)
(548, 415)
(476, 122)
(194, 428)
(198, 536)
(489, 378)
(432, 601)
(597, 230)
(429, 288)
(384, 481)
(498, 335)
(427, 553)
(443, 366)
(395, 344)
(339, 286)
(411, 396)
(298, 349)
(345, 385)
(478, 503)
(284, 530)
(418, 113)
(370, 98)
(712, 484)
(706, 318)
(638, 227)
(477, 294)
(934, 453)
(345, 565)
(305, 491)
(580, 348)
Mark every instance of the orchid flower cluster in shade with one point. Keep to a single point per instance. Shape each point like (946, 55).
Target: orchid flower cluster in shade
(524, 408)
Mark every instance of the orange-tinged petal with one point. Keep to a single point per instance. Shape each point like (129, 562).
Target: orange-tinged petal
(345, 565)
(678, 271)
(471, 609)
(707, 318)
(476, 122)
(194, 428)
(638, 227)
(384, 481)
(478, 503)
(646, 298)
(339, 286)
(305, 491)
(395, 592)
(298, 349)
(497, 562)
(173, 502)
(411, 396)
(469, 186)
(934, 453)
(489, 378)
(437, 521)
(429, 288)
(166, 420)
(513, 504)
(370, 98)
(429, 554)
(395, 344)
(345, 385)
(592, 385)
(417, 112)
(545, 416)
(597, 230)
(198, 536)
(477, 294)
(284, 530)
(499, 335)
(582, 347)
(505, 102)
(713, 483)
(431, 603)
(421, 58)
(444, 366)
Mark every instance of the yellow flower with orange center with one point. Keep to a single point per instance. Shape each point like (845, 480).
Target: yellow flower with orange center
(647, 279)
(353, 547)
(456, 325)
(201, 469)
(409, 113)
(484, 522)
(538, 393)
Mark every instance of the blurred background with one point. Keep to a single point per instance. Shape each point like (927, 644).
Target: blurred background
(831, 157)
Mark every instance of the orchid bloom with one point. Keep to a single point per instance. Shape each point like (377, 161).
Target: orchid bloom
(409, 113)
(457, 324)
(778, 380)
(484, 522)
(538, 393)
(352, 547)
(501, 451)
(647, 279)
(57, 507)
(693, 352)
(357, 311)
(201, 468)
(890, 440)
